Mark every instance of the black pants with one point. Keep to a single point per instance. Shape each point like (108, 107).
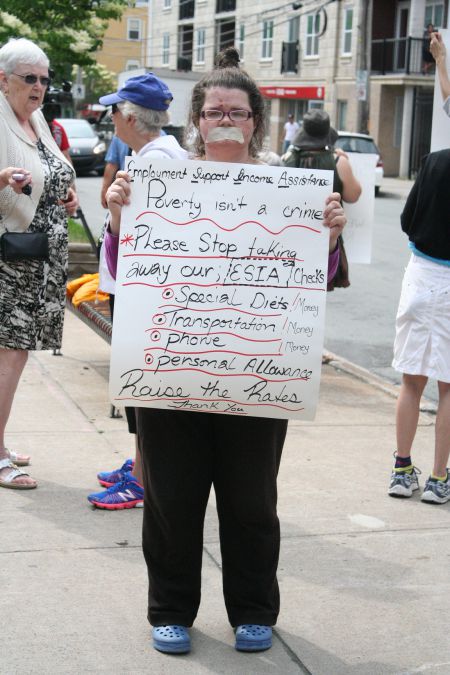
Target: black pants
(183, 454)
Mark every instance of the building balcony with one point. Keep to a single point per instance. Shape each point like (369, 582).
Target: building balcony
(289, 57)
(397, 56)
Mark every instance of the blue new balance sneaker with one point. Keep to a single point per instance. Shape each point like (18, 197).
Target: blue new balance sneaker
(108, 478)
(127, 494)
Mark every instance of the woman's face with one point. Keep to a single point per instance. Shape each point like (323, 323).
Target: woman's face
(225, 139)
(25, 98)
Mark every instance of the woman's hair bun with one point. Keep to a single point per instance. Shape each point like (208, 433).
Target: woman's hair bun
(228, 58)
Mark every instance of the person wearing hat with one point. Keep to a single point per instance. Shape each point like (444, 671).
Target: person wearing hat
(312, 148)
(290, 129)
(139, 111)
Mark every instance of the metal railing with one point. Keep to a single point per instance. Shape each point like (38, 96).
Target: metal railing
(398, 55)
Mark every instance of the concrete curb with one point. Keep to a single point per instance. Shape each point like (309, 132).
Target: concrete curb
(364, 375)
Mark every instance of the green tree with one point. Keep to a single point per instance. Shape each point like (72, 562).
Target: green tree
(69, 31)
(99, 81)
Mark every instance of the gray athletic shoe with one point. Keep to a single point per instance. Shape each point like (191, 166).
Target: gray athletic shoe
(403, 483)
(436, 491)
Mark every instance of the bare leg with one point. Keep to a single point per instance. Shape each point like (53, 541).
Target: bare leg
(442, 448)
(408, 408)
(137, 469)
(12, 363)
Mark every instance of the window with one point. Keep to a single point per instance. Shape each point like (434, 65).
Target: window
(165, 49)
(267, 40)
(167, 4)
(134, 29)
(434, 13)
(185, 47)
(240, 41)
(294, 29)
(132, 65)
(312, 30)
(200, 47)
(225, 34)
(225, 6)
(342, 115)
(186, 9)
(347, 31)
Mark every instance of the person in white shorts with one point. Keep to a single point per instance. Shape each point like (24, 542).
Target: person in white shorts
(422, 341)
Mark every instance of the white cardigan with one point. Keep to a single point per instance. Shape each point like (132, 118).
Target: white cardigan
(17, 149)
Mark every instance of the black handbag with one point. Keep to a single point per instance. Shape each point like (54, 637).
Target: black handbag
(24, 246)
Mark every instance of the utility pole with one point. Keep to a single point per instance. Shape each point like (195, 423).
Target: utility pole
(364, 64)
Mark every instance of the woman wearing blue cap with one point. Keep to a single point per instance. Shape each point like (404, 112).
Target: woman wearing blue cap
(185, 453)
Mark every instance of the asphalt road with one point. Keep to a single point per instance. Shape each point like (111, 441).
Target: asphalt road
(360, 322)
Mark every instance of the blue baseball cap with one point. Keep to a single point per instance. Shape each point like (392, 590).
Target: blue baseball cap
(146, 90)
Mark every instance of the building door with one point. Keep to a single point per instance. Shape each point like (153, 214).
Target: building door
(420, 128)
(401, 34)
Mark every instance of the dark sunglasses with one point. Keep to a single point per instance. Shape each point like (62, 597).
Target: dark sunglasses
(32, 79)
(114, 108)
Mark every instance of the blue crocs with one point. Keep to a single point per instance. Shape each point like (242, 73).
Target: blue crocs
(171, 639)
(251, 637)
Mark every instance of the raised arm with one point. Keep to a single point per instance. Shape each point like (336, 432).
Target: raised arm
(437, 48)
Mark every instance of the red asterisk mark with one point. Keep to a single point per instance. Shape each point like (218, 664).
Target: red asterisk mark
(128, 239)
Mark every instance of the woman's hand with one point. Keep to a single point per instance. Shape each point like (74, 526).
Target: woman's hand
(334, 218)
(117, 196)
(437, 48)
(71, 202)
(7, 180)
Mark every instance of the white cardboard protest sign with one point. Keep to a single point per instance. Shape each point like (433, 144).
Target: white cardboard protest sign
(440, 126)
(360, 215)
(221, 289)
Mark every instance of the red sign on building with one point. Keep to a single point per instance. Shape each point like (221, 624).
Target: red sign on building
(293, 92)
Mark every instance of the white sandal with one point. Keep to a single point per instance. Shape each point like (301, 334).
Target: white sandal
(18, 459)
(7, 481)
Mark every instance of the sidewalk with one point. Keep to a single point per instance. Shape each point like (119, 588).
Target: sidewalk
(364, 578)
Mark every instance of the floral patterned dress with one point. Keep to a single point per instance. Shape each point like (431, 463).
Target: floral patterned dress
(32, 292)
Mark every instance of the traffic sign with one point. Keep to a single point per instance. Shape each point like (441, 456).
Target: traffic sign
(78, 91)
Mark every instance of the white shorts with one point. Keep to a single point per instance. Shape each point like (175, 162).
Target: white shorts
(422, 338)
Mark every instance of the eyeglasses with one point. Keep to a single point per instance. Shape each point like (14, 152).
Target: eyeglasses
(32, 79)
(234, 115)
(114, 109)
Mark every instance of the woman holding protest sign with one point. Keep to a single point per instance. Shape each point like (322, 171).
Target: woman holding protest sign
(184, 453)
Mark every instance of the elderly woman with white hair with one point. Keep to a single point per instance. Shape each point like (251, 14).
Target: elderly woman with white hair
(36, 194)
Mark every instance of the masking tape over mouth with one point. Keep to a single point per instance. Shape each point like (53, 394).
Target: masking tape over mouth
(225, 134)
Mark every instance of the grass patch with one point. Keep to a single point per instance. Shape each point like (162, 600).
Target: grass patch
(76, 232)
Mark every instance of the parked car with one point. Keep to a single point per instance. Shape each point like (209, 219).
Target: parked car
(93, 112)
(352, 142)
(87, 148)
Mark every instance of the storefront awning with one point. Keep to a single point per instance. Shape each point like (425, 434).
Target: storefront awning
(293, 92)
